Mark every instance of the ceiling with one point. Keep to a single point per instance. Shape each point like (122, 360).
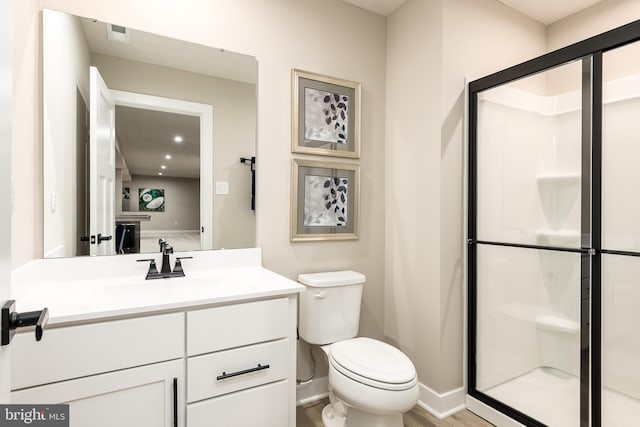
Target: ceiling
(549, 11)
(544, 11)
(159, 50)
(381, 7)
(146, 137)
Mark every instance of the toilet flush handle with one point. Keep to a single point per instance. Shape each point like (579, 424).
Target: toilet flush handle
(320, 294)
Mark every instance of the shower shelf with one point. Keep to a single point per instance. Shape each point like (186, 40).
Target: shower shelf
(532, 313)
(559, 178)
(558, 237)
(557, 324)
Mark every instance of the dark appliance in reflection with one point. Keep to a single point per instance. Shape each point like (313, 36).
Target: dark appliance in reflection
(127, 237)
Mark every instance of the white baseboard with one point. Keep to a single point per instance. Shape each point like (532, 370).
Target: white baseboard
(316, 389)
(442, 405)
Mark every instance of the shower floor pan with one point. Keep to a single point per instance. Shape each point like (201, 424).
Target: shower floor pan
(553, 398)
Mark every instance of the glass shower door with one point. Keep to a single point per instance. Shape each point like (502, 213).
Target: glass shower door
(620, 389)
(529, 262)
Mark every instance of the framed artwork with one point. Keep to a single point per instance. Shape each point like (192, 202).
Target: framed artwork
(126, 199)
(325, 200)
(325, 115)
(151, 200)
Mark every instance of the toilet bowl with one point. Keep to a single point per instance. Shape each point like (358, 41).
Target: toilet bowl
(375, 381)
(371, 383)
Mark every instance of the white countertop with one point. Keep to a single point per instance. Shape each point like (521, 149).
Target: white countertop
(81, 290)
(123, 217)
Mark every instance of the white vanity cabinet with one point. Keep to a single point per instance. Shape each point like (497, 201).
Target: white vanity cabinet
(118, 373)
(241, 364)
(232, 363)
(226, 333)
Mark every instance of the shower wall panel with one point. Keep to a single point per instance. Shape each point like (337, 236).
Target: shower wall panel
(620, 320)
(524, 321)
(529, 167)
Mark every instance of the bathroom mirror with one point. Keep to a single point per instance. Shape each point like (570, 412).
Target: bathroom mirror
(144, 137)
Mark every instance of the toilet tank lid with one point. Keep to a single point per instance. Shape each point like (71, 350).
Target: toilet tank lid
(332, 278)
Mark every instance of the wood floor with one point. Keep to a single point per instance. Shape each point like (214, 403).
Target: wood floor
(310, 415)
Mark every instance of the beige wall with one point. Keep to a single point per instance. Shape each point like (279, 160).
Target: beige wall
(591, 21)
(26, 153)
(412, 226)
(432, 47)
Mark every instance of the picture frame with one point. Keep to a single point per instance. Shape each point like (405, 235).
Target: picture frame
(325, 200)
(151, 199)
(325, 115)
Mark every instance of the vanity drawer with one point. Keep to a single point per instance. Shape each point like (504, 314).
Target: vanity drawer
(78, 351)
(204, 372)
(220, 328)
(265, 406)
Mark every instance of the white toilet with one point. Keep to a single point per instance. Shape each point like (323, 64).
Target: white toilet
(371, 383)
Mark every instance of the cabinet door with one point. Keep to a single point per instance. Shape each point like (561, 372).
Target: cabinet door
(137, 397)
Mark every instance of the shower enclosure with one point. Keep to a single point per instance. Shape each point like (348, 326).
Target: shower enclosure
(554, 237)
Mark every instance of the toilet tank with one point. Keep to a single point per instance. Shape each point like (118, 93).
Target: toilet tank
(330, 306)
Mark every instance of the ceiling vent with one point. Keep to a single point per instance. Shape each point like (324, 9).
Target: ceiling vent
(118, 33)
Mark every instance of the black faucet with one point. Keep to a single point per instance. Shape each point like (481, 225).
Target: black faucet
(162, 243)
(165, 271)
(166, 261)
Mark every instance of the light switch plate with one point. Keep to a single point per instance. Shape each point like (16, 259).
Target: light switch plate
(222, 187)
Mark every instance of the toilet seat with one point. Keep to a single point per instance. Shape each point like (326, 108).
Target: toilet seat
(373, 363)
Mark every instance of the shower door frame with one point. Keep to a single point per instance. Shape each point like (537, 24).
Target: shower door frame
(590, 52)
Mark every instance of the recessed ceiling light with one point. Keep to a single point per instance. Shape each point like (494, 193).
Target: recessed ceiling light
(178, 138)
(163, 167)
(168, 157)
(159, 173)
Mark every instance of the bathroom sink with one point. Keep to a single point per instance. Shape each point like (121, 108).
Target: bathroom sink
(71, 291)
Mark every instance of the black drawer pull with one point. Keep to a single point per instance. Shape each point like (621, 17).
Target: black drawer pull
(224, 375)
(175, 402)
